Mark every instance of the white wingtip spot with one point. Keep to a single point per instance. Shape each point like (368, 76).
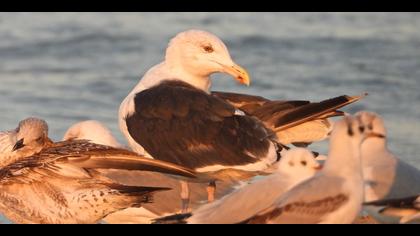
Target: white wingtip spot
(239, 112)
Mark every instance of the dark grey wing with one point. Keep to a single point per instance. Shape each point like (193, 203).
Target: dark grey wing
(312, 111)
(178, 123)
(241, 100)
(260, 107)
(407, 209)
(281, 115)
(408, 202)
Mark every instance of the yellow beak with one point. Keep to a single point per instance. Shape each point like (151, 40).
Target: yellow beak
(239, 73)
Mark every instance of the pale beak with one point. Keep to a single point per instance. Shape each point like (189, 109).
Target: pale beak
(239, 73)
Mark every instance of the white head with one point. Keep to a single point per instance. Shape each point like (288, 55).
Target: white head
(91, 130)
(375, 128)
(31, 136)
(348, 128)
(200, 54)
(374, 146)
(298, 163)
(344, 151)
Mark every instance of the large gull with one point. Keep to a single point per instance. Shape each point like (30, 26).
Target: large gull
(60, 184)
(171, 115)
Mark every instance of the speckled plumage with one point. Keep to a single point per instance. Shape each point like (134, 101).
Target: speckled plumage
(60, 183)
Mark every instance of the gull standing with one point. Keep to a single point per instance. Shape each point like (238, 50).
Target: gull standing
(172, 116)
(295, 166)
(335, 194)
(386, 176)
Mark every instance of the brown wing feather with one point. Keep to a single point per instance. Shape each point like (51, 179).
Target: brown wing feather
(84, 154)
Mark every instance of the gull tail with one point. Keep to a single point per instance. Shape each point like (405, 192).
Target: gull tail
(137, 194)
(311, 111)
(406, 208)
(401, 202)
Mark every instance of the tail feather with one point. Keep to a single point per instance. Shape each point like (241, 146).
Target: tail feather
(274, 108)
(314, 111)
(332, 114)
(407, 202)
(282, 115)
(142, 194)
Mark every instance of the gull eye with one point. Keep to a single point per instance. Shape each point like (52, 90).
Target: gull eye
(303, 163)
(208, 48)
(350, 131)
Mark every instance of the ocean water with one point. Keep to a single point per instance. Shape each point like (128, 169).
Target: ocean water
(68, 67)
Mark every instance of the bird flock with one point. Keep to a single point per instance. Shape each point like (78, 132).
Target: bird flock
(198, 156)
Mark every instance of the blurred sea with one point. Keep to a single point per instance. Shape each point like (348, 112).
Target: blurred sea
(68, 67)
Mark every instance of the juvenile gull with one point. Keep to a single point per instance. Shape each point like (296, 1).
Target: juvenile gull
(295, 166)
(166, 202)
(386, 175)
(335, 194)
(60, 184)
(98, 133)
(172, 106)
